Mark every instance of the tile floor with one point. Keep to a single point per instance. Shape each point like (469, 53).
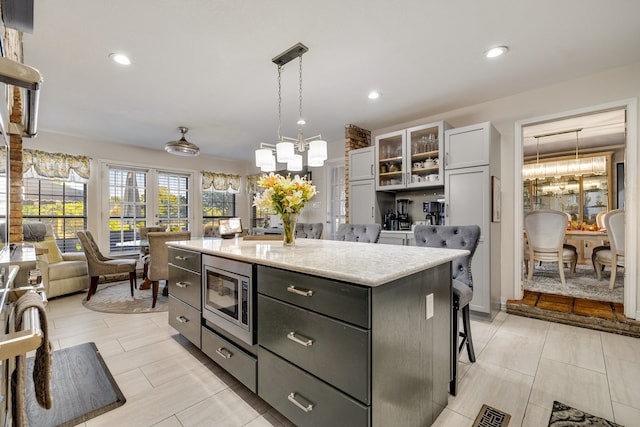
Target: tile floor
(522, 366)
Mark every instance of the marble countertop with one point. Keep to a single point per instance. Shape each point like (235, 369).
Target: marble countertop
(365, 264)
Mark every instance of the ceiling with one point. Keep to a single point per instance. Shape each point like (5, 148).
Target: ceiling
(206, 64)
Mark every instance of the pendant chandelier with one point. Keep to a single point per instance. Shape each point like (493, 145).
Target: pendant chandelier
(596, 165)
(289, 150)
(182, 147)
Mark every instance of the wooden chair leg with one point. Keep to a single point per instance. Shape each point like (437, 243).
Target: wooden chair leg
(561, 271)
(92, 287)
(155, 285)
(132, 280)
(614, 270)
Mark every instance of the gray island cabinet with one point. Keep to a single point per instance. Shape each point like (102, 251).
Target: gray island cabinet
(347, 333)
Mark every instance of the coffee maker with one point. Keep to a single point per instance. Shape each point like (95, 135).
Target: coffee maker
(434, 212)
(404, 222)
(390, 222)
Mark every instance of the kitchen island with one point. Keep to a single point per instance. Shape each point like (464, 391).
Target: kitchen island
(346, 333)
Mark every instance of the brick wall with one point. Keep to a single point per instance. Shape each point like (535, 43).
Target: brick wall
(354, 138)
(13, 50)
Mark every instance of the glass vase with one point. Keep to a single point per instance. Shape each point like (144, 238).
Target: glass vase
(289, 228)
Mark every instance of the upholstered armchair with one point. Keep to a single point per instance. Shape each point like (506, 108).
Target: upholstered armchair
(309, 230)
(455, 237)
(62, 273)
(211, 231)
(159, 257)
(365, 233)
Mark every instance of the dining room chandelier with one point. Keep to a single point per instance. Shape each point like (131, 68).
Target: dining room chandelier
(578, 166)
(289, 150)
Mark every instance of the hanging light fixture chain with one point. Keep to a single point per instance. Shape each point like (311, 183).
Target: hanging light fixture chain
(300, 91)
(279, 101)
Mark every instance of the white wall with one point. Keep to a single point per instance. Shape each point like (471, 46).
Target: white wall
(109, 152)
(612, 85)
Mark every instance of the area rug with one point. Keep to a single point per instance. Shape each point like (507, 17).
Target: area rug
(584, 284)
(566, 416)
(116, 298)
(82, 388)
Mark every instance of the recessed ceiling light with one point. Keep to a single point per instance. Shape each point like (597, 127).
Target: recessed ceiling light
(494, 52)
(374, 94)
(120, 58)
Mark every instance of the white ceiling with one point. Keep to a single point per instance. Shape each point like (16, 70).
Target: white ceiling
(206, 64)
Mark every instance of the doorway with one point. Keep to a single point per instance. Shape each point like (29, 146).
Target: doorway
(578, 134)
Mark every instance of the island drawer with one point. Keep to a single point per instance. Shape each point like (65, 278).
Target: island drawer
(241, 365)
(185, 319)
(327, 348)
(185, 285)
(336, 299)
(185, 259)
(304, 399)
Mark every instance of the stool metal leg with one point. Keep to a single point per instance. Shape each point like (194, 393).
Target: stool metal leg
(453, 382)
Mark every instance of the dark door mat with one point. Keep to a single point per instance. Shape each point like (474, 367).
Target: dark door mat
(491, 417)
(82, 388)
(563, 415)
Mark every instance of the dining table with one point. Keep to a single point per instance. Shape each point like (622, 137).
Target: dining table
(585, 241)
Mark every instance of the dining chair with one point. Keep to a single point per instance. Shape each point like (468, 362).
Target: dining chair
(159, 257)
(605, 245)
(100, 265)
(365, 233)
(455, 237)
(545, 232)
(614, 256)
(306, 230)
(144, 249)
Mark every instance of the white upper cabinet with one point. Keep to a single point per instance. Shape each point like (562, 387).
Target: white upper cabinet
(410, 158)
(361, 164)
(469, 146)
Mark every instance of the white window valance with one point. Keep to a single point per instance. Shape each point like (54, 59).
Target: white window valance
(55, 166)
(252, 184)
(221, 182)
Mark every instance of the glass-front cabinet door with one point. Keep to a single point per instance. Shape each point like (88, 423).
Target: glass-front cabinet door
(583, 197)
(390, 160)
(424, 145)
(411, 158)
(595, 194)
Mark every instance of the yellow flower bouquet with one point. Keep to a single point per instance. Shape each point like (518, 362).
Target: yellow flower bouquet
(287, 197)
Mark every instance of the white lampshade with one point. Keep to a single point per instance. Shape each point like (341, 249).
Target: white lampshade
(295, 164)
(270, 166)
(263, 157)
(318, 149)
(314, 161)
(285, 153)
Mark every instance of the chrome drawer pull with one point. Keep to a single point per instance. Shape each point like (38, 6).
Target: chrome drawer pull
(293, 290)
(182, 319)
(307, 342)
(183, 284)
(292, 399)
(181, 258)
(226, 354)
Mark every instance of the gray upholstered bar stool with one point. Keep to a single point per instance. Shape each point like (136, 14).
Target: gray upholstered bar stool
(365, 233)
(309, 230)
(455, 237)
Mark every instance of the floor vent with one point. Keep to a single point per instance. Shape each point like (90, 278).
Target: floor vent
(491, 417)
